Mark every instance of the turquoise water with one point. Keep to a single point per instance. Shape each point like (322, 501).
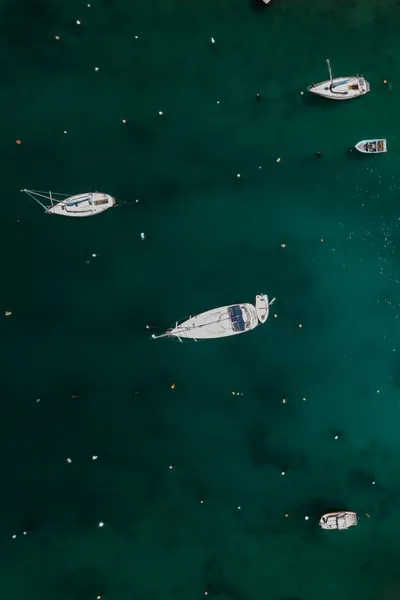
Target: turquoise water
(77, 338)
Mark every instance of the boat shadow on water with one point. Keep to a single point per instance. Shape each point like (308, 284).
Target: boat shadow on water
(363, 479)
(314, 509)
(315, 101)
(258, 6)
(360, 156)
(355, 155)
(262, 452)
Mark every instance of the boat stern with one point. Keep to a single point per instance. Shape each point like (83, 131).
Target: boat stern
(364, 85)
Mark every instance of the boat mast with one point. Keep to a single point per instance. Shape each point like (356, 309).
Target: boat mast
(328, 62)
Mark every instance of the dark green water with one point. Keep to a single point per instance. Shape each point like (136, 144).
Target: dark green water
(78, 323)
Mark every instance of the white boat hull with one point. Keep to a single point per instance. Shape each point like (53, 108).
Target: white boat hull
(82, 205)
(222, 322)
(262, 307)
(217, 323)
(339, 520)
(341, 88)
(374, 146)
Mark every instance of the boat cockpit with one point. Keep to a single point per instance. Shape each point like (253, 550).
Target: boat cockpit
(237, 314)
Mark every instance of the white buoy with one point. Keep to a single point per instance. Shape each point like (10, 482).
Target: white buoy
(142, 236)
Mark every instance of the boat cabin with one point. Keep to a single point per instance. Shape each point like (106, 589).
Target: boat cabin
(236, 317)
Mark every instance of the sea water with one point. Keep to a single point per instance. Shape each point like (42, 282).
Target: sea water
(155, 103)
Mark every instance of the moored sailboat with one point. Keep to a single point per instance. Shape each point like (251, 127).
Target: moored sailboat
(221, 322)
(80, 205)
(340, 88)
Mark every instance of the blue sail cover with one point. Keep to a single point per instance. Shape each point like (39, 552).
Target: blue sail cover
(236, 316)
(340, 83)
(75, 202)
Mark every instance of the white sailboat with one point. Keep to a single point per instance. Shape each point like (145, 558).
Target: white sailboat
(221, 322)
(340, 88)
(339, 520)
(376, 146)
(80, 205)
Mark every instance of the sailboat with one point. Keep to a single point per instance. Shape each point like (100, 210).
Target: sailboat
(340, 88)
(339, 520)
(221, 322)
(80, 205)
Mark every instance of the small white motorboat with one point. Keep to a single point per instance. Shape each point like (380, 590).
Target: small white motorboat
(221, 322)
(372, 146)
(338, 520)
(80, 205)
(340, 88)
